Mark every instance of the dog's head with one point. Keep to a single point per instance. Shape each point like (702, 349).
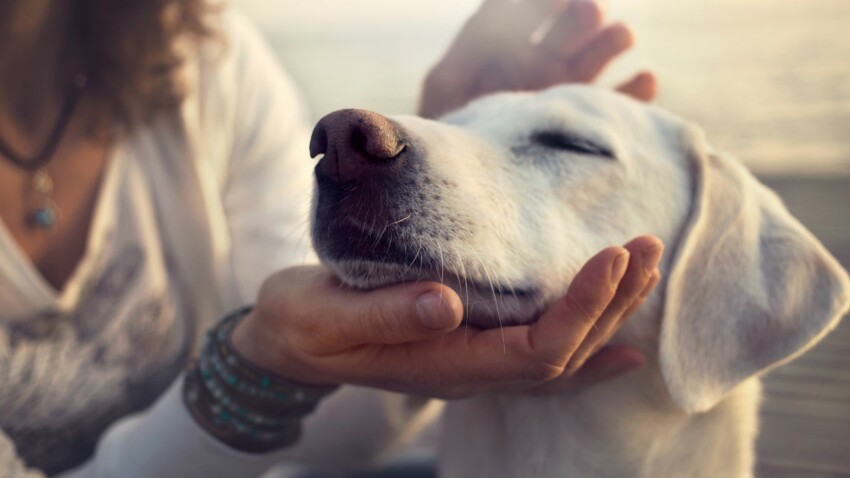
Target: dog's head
(505, 200)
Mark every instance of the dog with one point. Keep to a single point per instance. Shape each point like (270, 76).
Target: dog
(506, 198)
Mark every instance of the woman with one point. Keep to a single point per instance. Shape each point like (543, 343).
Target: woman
(153, 176)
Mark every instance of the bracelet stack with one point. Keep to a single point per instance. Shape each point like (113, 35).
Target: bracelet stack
(244, 406)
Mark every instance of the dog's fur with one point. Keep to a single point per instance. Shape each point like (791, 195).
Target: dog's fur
(505, 200)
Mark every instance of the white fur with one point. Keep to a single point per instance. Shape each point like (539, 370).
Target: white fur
(746, 287)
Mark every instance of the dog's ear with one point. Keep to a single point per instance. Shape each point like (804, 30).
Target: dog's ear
(750, 288)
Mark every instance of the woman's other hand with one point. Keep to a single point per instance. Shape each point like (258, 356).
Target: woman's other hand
(512, 45)
(408, 338)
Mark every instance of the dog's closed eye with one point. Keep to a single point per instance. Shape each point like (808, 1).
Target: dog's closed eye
(565, 141)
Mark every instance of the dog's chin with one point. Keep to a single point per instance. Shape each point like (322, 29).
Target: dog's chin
(485, 305)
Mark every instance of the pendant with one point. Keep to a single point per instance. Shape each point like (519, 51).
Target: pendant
(44, 213)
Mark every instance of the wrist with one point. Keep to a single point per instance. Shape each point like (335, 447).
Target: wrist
(255, 345)
(241, 404)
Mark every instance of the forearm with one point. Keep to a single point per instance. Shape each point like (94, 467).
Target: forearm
(166, 442)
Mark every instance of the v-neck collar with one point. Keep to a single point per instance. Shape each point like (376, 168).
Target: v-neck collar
(29, 281)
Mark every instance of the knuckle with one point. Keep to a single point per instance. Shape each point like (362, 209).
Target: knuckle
(650, 284)
(379, 321)
(319, 333)
(631, 292)
(577, 311)
(543, 371)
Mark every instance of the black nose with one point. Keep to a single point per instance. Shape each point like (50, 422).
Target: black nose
(356, 144)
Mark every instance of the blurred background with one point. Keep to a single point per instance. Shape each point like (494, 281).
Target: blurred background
(768, 79)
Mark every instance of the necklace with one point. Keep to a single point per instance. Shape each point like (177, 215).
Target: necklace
(43, 213)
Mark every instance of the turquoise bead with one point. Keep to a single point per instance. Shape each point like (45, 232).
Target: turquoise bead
(44, 217)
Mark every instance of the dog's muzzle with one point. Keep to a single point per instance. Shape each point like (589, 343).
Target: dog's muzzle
(366, 178)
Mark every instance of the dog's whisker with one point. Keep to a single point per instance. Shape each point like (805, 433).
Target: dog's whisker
(396, 223)
(389, 248)
(413, 261)
(464, 285)
(486, 272)
(379, 236)
(442, 271)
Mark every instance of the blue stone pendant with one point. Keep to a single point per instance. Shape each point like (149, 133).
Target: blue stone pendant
(44, 214)
(44, 217)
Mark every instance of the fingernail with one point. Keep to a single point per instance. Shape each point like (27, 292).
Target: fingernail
(434, 311)
(652, 257)
(618, 268)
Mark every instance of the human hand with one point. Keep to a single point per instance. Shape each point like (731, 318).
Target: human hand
(496, 51)
(307, 327)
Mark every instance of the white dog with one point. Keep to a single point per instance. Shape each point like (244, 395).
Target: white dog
(505, 200)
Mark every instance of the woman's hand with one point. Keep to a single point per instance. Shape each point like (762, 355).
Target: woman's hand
(406, 338)
(506, 46)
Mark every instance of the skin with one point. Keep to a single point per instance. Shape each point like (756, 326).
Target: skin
(32, 78)
(374, 338)
(384, 339)
(493, 52)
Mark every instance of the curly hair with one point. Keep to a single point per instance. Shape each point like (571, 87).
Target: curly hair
(132, 57)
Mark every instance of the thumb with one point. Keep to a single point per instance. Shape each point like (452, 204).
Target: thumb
(398, 314)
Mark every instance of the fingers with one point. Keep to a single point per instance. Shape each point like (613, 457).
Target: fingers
(654, 279)
(600, 50)
(528, 353)
(574, 27)
(499, 24)
(463, 362)
(603, 293)
(577, 312)
(644, 256)
(642, 87)
(500, 29)
(610, 362)
(514, 19)
(497, 49)
(472, 359)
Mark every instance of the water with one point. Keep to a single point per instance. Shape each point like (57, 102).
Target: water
(768, 79)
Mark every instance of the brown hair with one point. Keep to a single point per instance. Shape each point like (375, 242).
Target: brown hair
(130, 51)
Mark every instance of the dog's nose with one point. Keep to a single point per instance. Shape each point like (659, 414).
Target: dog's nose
(355, 144)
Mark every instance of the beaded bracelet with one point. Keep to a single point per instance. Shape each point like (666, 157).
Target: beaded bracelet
(244, 406)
